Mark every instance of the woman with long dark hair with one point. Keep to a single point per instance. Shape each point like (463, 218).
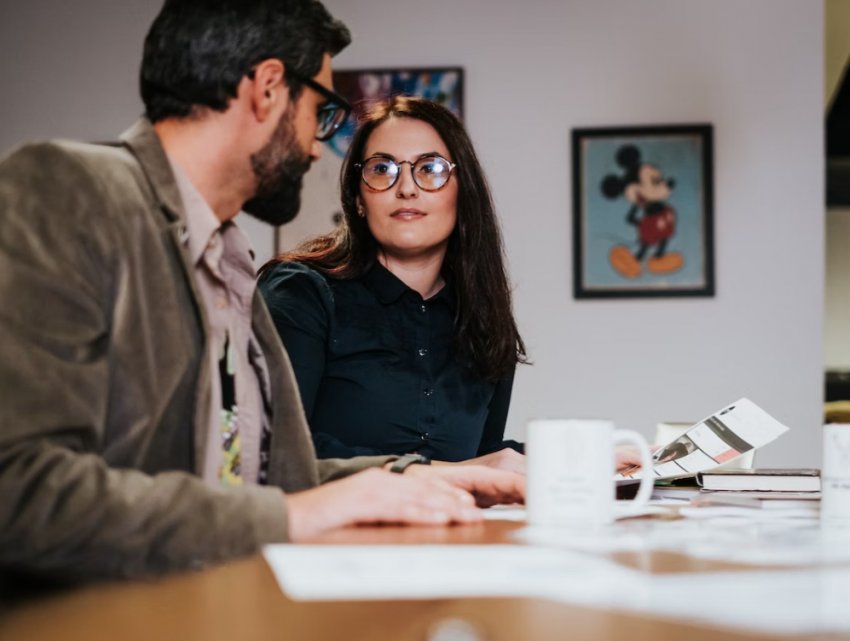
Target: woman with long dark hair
(399, 324)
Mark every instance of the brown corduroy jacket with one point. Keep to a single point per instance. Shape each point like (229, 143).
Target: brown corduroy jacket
(104, 382)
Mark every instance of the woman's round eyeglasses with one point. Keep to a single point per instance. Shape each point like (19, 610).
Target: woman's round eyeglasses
(430, 173)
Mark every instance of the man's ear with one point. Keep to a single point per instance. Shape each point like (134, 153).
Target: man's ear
(270, 92)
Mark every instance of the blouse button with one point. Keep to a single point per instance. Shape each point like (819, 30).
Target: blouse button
(423, 309)
(428, 392)
(422, 352)
(425, 436)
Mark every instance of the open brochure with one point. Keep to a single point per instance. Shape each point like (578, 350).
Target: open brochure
(722, 437)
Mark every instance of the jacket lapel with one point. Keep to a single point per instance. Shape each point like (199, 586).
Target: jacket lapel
(143, 142)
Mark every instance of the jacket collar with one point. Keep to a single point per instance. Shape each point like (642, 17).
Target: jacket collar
(145, 145)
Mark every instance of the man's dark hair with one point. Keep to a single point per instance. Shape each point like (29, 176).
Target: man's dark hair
(197, 51)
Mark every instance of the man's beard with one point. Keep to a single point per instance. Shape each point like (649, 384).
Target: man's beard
(279, 167)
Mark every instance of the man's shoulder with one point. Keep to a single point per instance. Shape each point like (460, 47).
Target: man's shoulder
(104, 177)
(60, 159)
(69, 154)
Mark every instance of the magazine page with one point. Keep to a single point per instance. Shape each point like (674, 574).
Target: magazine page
(722, 437)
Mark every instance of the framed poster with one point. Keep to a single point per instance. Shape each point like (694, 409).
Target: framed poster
(643, 212)
(321, 209)
(364, 88)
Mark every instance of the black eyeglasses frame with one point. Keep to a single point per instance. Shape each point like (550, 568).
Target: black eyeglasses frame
(335, 101)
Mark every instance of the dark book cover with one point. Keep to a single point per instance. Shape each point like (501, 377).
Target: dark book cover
(763, 472)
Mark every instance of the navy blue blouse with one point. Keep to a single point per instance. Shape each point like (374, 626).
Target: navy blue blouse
(374, 368)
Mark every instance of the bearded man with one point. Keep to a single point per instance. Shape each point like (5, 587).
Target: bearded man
(150, 420)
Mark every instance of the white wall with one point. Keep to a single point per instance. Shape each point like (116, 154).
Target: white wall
(536, 69)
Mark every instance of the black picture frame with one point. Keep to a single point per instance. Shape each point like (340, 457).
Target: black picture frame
(666, 234)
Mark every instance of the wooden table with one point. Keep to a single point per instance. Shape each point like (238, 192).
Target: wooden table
(242, 602)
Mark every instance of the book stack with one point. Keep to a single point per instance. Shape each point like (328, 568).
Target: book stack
(766, 493)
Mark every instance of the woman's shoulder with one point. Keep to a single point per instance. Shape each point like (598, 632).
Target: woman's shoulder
(291, 270)
(289, 280)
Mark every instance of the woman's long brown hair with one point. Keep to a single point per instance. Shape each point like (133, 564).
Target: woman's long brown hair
(486, 339)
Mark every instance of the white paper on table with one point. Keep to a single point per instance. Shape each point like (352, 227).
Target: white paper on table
(796, 601)
(754, 513)
(505, 513)
(782, 542)
(668, 501)
(780, 602)
(622, 510)
(326, 572)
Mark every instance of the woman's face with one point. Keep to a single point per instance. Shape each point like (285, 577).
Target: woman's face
(405, 219)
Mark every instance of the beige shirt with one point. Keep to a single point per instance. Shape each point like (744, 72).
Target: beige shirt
(224, 266)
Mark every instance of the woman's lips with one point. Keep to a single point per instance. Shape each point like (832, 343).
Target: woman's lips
(408, 214)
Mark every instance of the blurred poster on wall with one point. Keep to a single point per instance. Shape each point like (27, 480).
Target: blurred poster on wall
(320, 203)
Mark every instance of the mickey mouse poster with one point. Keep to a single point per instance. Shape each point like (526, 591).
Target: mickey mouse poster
(642, 212)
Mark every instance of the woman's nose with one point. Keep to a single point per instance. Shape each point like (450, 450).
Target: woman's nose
(406, 187)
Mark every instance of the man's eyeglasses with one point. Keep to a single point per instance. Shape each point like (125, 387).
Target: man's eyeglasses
(430, 173)
(330, 116)
(333, 114)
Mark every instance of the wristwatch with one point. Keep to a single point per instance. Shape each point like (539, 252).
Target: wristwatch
(400, 465)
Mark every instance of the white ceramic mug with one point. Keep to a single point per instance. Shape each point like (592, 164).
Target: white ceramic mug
(571, 472)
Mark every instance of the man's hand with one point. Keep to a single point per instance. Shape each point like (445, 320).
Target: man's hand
(507, 459)
(488, 486)
(627, 457)
(378, 496)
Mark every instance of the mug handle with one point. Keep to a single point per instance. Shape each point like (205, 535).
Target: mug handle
(647, 481)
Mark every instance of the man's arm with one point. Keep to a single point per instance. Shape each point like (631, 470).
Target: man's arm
(64, 512)
(67, 515)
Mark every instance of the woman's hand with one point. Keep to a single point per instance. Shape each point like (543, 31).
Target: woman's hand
(627, 457)
(507, 460)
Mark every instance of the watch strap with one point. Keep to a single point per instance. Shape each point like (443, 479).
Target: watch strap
(401, 464)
